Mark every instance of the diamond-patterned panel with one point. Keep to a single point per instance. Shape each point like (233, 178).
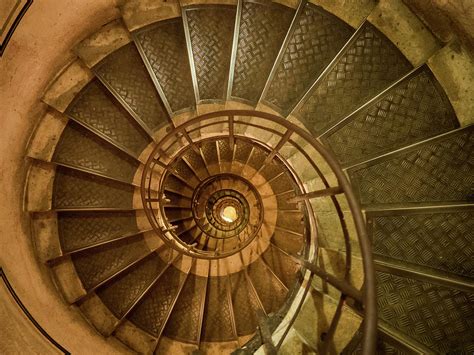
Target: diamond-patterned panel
(74, 189)
(415, 110)
(245, 304)
(217, 322)
(316, 39)
(442, 241)
(80, 148)
(263, 27)
(242, 151)
(165, 48)
(120, 294)
(125, 73)
(440, 171)
(150, 314)
(183, 324)
(439, 317)
(269, 290)
(369, 65)
(282, 265)
(95, 265)
(209, 152)
(211, 29)
(96, 109)
(80, 229)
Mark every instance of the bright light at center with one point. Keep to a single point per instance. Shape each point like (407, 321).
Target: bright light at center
(229, 214)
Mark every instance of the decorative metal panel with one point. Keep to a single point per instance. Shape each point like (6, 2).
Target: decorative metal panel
(217, 322)
(96, 109)
(184, 171)
(150, 314)
(165, 48)
(74, 189)
(442, 170)
(242, 151)
(245, 304)
(80, 229)
(126, 74)
(225, 151)
(290, 221)
(271, 293)
(184, 321)
(315, 41)
(263, 27)
(197, 164)
(80, 148)
(439, 317)
(96, 265)
(257, 158)
(282, 265)
(211, 31)
(282, 183)
(271, 170)
(120, 294)
(209, 152)
(369, 65)
(414, 110)
(439, 240)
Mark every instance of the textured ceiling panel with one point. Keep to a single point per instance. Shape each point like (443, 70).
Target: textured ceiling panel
(80, 148)
(442, 241)
(165, 48)
(439, 317)
(125, 73)
(211, 29)
(96, 109)
(370, 64)
(263, 27)
(414, 110)
(315, 41)
(442, 170)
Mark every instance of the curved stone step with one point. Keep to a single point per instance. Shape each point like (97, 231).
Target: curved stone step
(261, 30)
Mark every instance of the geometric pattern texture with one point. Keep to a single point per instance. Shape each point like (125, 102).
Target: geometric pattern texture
(185, 319)
(74, 189)
(442, 241)
(164, 46)
(152, 311)
(414, 110)
(80, 148)
(262, 30)
(120, 294)
(100, 263)
(316, 39)
(282, 265)
(211, 30)
(127, 76)
(101, 113)
(369, 64)
(80, 229)
(217, 322)
(270, 291)
(441, 318)
(245, 304)
(442, 170)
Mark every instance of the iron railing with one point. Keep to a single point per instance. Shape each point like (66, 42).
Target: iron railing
(284, 140)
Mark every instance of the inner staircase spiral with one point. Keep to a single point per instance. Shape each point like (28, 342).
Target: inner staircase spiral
(197, 239)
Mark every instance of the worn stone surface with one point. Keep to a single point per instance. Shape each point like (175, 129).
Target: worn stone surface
(46, 135)
(103, 42)
(139, 13)
(319, 309)
(405, 30)
(39, 193)
(454, 69)
(46, 240)
(68, 280)
(100, 316)
(353, 12)
(135, 338)
(66, 86)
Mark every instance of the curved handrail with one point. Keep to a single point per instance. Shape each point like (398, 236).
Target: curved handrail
(369, 292)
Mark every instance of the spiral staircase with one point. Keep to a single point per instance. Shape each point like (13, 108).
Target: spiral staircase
(212, 178)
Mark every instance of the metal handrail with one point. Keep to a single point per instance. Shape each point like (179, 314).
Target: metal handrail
(369, 326)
